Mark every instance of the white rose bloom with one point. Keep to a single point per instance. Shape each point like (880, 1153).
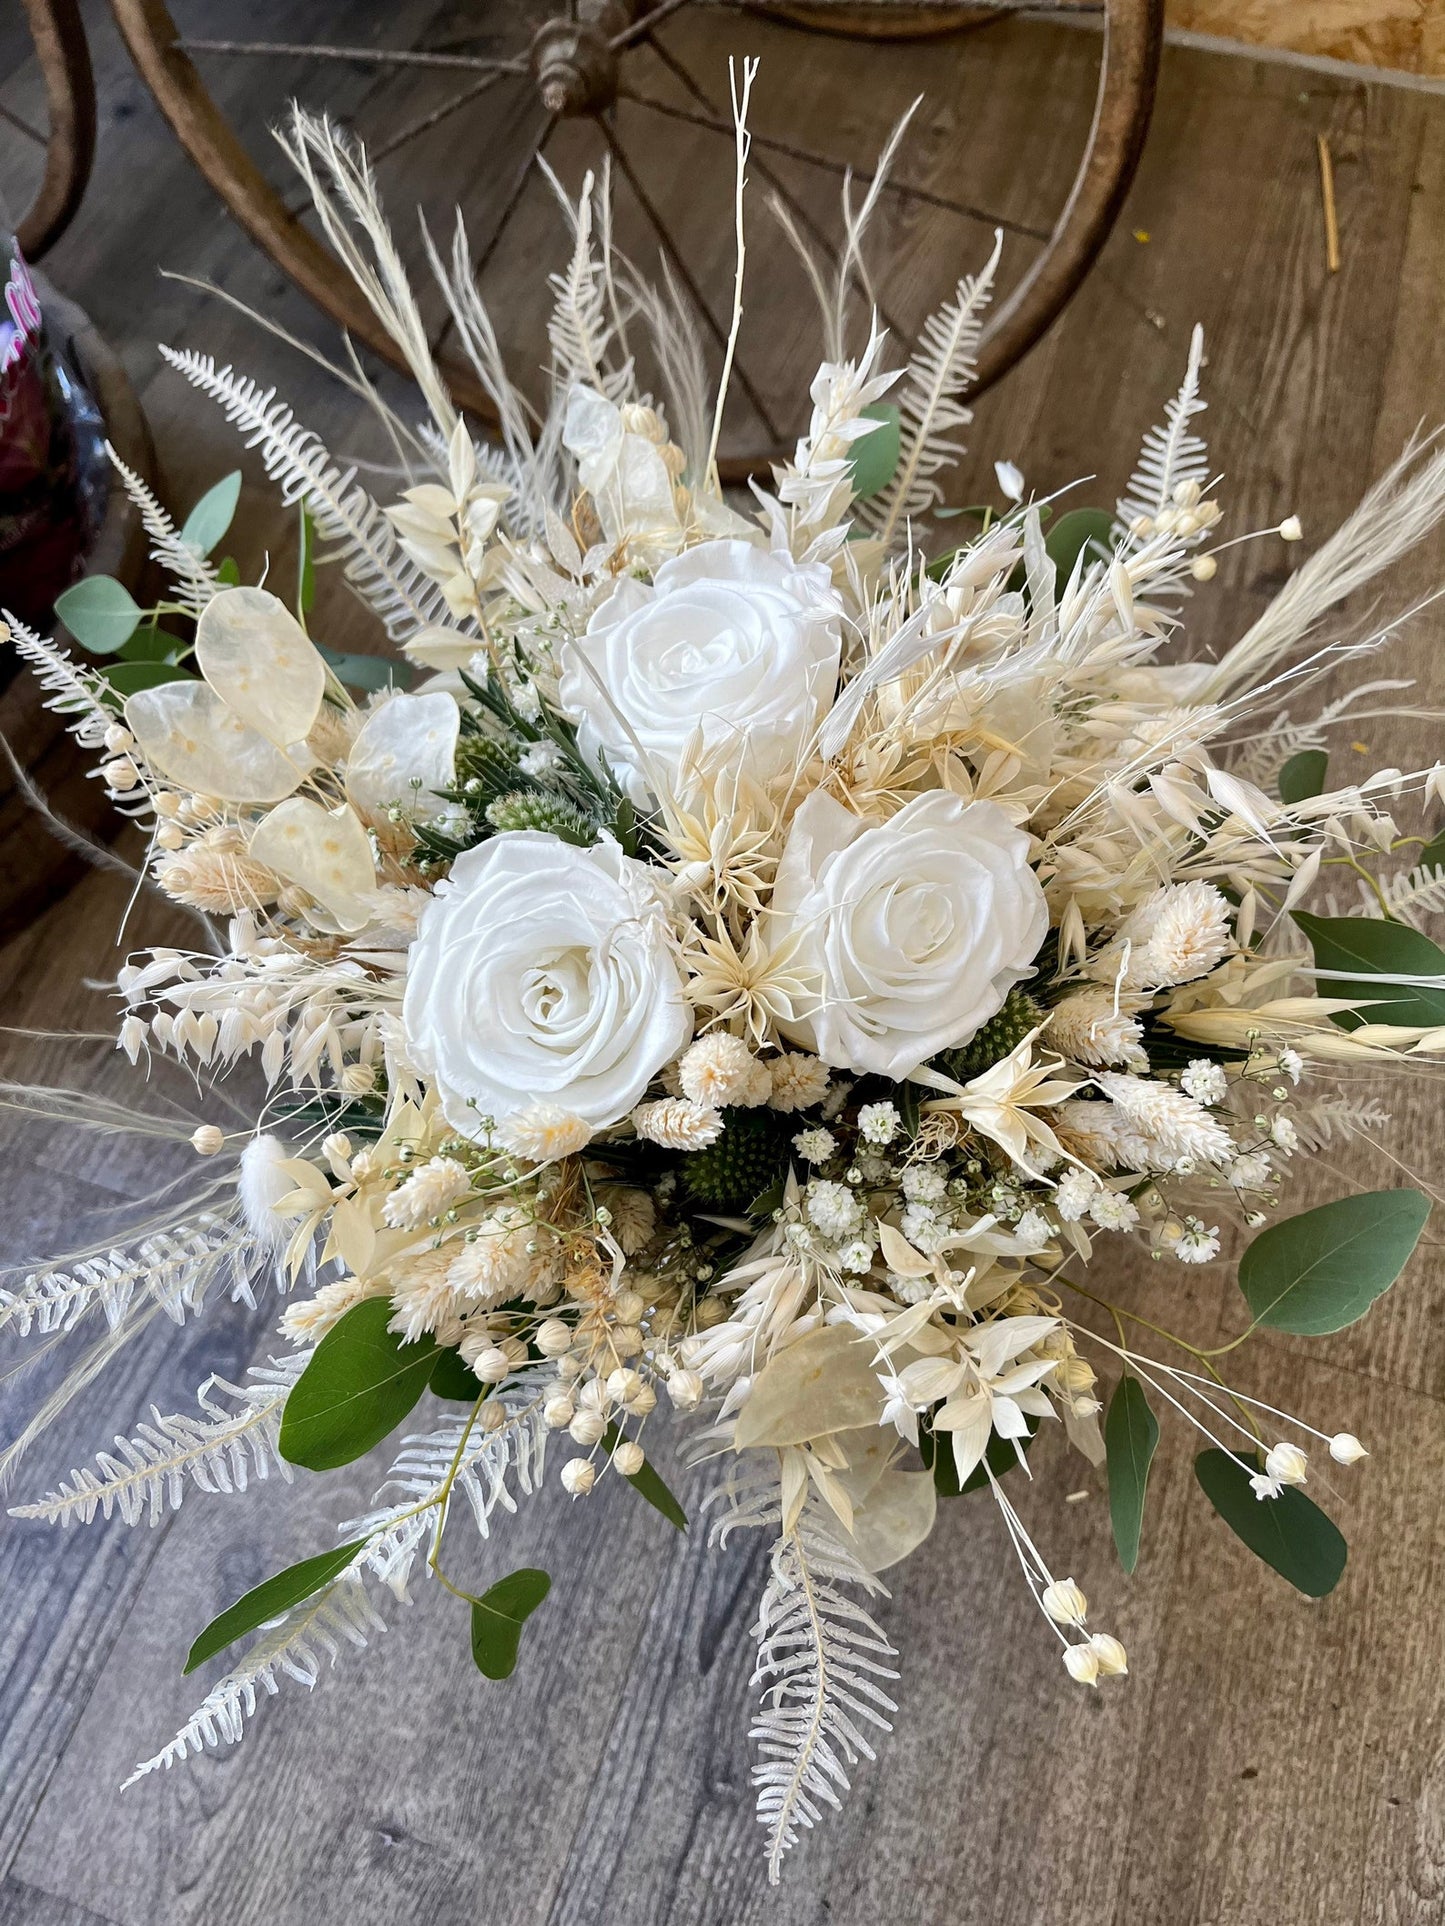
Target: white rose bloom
(731, 646)
(913, 932)
(543, 973)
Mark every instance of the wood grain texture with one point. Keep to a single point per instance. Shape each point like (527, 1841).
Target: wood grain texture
(1269, 1763)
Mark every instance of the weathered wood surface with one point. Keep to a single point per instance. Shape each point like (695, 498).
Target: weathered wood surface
(1268, 1761)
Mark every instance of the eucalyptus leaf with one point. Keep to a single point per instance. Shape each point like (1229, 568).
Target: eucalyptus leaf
(100, 613)
(1356, 948)
(874, 456)
(1000, 1458)
(452, 1377)
(648, 1483)
(498, 1617)
(128, 678)
(270, 1599)
(1290, 1533)
(212, 514)
(367, 672)
(152, 644)
(360, 1385)
(1322, 1270)
(1072, 533)
(1131, 1433)
(1303, 775)
(228, 570)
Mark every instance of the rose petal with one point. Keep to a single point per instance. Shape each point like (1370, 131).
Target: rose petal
(191, 736)
(260, 661)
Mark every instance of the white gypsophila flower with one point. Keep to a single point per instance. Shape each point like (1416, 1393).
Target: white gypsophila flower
(1173, 1126)
(720, 1070)
(494, 1263)
(911, 933)
(1074, 1194)
(543, 974)
(1204, 1081)
(539, 759)
(1112, 1210)
(1178, 934)
(1033, 1229)
(544, 1132)
(925, 1229)
(1292, 1064)
(731, 650)
(433, 1187)
(879, 1123)
(833, 1209)
(815, 1146)
(924, 1184)
(856, 1257)
(675, 1124)
(798, 1081)
(1284, 1134)
(1250, 1172)
(1089, 1029)
(1191, 1242)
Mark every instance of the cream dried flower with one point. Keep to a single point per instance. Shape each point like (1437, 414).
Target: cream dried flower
(424, 1297)
(799, 1081)
(214, 872)
(544, 1133)
(430, 1190)
(1178, 934)
(307, 1320)
(1173, 1125)
(494, 1263)
(634, 1219)
(1089, 1029)
(720, 1070)
(675, 1124)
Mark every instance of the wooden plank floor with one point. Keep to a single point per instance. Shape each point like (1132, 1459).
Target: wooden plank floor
(1269, 1763)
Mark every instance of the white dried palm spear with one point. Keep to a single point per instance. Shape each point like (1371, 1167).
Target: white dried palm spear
(340, 1614)
(221, 1450)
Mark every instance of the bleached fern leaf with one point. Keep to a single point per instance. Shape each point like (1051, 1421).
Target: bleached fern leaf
(175, 1267)
(820, 1657)
(1321, 1120)
(422, 1475)
(580, 330)
(401, 595)
(339, 1614)
(1172, 453)
(194, 579)
(231, 1442)
(71, 690)
(943, 365)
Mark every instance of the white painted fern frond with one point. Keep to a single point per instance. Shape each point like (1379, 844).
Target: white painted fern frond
(580, 330)
(194, 578)
(1413, 895)
(232, 1441)
(819, 1659)
(174, 1267)
(340, 1614)
(943, 365)
(426, 1470)
(344, 513)
(1322, 1119)
(71, 690)
(1172, 453)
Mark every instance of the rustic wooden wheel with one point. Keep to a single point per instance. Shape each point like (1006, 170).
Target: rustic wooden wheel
(575, 65)
(60, 47)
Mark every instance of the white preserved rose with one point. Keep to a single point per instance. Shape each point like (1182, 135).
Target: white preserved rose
(543, 973)
(732, 647)
(912, 932)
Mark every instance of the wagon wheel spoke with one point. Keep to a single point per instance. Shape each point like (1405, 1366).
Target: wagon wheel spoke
(905, 190)
(370, 56)
(640, 29)
(424, 123)
(780, 188)
(695, 294)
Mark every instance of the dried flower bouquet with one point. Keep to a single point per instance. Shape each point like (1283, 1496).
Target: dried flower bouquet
(754, 972)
